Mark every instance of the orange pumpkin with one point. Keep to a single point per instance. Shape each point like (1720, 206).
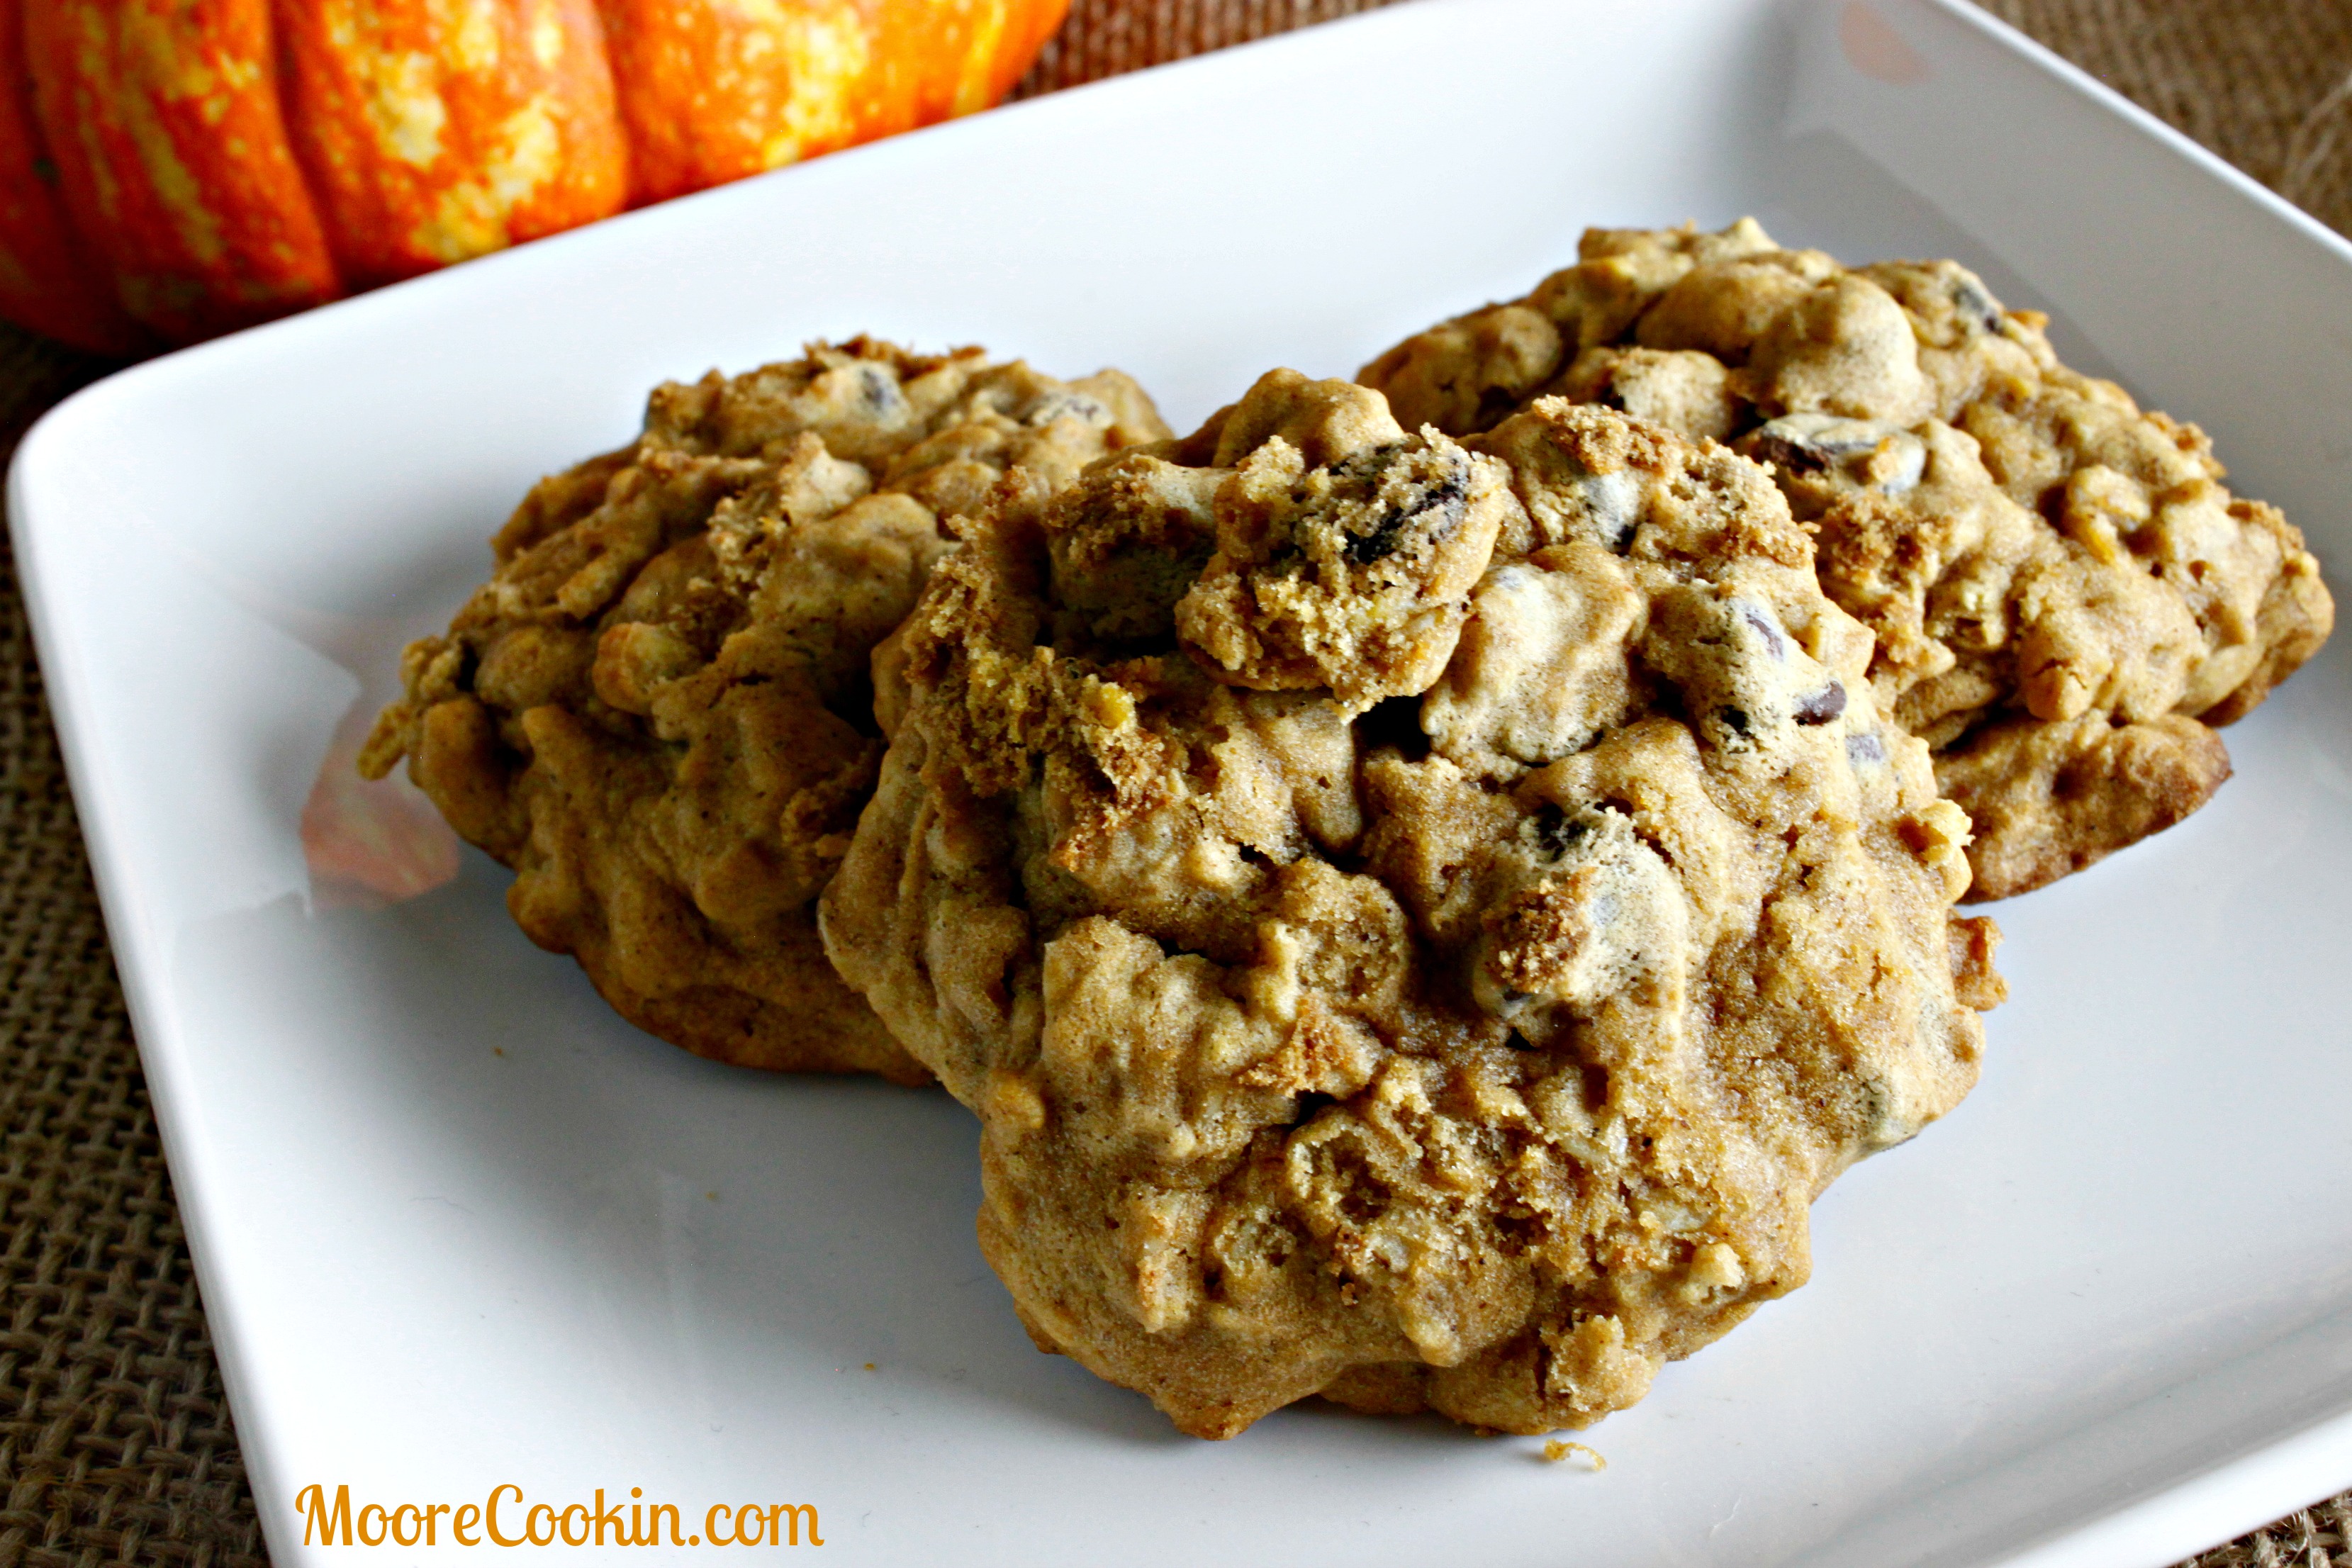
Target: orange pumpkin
(173, 169)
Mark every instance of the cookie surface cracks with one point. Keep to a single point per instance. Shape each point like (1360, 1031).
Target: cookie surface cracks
(2067, 601)
(658, 710)
(1478, 1052)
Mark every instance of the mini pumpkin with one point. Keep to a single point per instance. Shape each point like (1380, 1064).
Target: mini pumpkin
(174, 169)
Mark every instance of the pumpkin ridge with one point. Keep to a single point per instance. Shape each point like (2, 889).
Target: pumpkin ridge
(433, 137)
(173, 158)
(217, 163)
(49, 280)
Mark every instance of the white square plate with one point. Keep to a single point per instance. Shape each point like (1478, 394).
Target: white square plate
(457, 1225)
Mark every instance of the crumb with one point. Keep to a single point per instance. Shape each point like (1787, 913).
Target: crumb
(869, 1366)
(1558, 1451)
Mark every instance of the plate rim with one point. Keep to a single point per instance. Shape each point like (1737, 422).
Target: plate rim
(2242, 1490)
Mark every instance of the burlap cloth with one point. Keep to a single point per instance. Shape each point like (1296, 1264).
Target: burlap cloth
(115, 1441)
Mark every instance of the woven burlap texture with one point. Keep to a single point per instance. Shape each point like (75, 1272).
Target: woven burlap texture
(115, 1441)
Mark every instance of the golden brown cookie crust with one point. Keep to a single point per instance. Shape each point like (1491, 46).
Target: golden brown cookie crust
(1476, 1051)
(2032, 550)
(658, 711)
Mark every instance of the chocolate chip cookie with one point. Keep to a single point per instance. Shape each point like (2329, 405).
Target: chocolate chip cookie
(1418, 919)
(2067, 601)
(659, 712)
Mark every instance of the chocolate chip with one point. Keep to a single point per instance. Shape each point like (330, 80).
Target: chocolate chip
(1816, 439)
(1773, 642)
(1437, 509)
(1820, 707)
(1556, 831)
(1616, 501)
(1863, 750)
(1363, 549)
(1979, 306)
(1787, 453)
(1814, 443)
(875, 389)
(1066, 405)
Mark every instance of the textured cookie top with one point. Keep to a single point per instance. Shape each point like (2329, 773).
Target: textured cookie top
(1478, 1047)
(2059, 583)
(658, 708)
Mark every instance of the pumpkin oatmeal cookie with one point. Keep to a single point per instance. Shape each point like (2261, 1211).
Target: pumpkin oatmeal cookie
(1419, 920)
(2067, 601)
(658, 710)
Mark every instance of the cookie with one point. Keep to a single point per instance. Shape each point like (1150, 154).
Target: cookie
(1419, 920)
(658, 711)
(2067, 600)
